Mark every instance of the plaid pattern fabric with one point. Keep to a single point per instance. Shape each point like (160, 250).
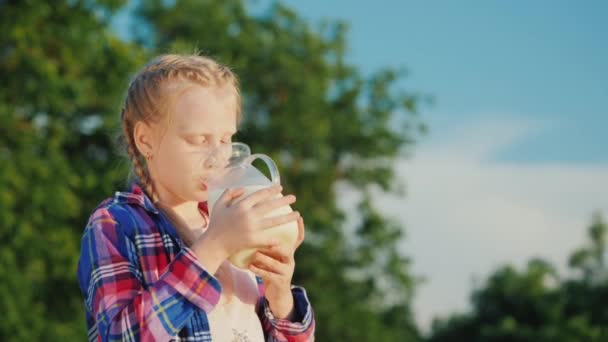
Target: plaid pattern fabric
(141, 283)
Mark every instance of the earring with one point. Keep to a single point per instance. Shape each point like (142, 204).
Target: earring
(149, 156)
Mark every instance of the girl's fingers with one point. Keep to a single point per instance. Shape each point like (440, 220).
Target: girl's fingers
(265, 274)
(279, 220)
(266, 207)
(229, 195)
(261, 241)
(234, 196)
(278, 252)
(252, 199)
(268, 263)
(301, 232)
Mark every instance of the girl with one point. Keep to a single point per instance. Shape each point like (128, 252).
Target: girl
(153, 264)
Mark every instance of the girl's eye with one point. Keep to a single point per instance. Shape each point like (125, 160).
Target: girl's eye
(197, 140)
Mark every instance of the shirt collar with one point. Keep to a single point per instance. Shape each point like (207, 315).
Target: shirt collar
(138, 197)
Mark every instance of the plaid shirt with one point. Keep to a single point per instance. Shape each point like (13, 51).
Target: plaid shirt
(140, 282)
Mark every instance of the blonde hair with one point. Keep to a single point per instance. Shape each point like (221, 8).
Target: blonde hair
(152, 92)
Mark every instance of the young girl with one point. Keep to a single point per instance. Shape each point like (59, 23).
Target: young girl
(153, 265)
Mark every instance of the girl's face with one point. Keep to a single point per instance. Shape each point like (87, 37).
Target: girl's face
(202, 123)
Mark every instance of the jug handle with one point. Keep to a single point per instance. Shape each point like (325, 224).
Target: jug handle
(274, 170)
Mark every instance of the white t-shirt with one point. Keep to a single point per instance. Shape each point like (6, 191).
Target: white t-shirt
(234, 318)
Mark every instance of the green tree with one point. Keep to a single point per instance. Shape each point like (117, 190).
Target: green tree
(64, 72)
(62, 75)
(537, 304)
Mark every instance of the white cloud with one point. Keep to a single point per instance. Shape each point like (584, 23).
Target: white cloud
(466, 214)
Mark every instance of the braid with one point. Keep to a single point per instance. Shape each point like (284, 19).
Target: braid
(139, 167)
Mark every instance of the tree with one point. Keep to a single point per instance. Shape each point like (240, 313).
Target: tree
(320, 119)
(537, 304)
(60, 67)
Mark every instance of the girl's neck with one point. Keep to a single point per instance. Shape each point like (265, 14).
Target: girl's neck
(186, 216)
(187, 210)
(188, 229)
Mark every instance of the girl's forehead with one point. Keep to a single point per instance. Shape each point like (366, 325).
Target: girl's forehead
(206, 110)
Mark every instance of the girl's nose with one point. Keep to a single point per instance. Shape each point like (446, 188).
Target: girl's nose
(215, 158)
(211, 161)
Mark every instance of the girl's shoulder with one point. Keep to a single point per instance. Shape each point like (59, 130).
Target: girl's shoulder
(131, 212)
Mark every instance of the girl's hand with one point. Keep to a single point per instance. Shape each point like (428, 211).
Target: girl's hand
(275, 265)
(236, 223)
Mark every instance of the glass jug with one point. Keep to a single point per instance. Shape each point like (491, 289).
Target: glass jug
(240, 173)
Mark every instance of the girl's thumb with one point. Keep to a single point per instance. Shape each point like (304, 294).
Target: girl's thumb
(230, 194)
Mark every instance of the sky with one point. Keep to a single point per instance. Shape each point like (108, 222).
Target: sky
(541, 60)
(516, 159)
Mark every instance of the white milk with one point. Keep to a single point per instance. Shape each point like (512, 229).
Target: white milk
(286, 233)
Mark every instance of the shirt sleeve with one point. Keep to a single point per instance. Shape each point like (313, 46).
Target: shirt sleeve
(301, 329)
(114, 296)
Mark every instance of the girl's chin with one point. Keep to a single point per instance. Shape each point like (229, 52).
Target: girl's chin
(200, 196)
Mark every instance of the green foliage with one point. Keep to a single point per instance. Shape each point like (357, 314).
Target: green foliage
(60, 68)
(536, 304)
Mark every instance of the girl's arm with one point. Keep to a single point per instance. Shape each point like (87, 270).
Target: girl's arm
(300, 329)
(114, 296)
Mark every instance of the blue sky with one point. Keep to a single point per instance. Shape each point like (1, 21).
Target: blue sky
(542, 60)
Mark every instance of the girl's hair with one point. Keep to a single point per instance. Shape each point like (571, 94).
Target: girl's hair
(152, 93)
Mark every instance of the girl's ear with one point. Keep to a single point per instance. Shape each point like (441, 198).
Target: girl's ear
(143, 136)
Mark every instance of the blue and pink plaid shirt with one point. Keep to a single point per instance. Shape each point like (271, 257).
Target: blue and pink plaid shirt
(140, 282)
